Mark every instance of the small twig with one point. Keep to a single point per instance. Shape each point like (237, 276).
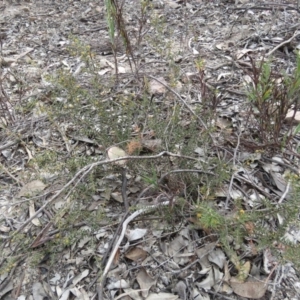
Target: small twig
(11, 175)
(99, 291)
(183, 101)
(283, 43)
(124, 227)
(7, 280)
(285, 192)
(267, 195)
(84, 171)
(286, 7)
(41, 237)
(295, 170)
(26, 200)
(62, 132)
(126, 204)
(103, 261)
(234, 163)
(16, 292)
(124, 188)
(277, 282)
(221, 295)
(237, 147)
(229, 190)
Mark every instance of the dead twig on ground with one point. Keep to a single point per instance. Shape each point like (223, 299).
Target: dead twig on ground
(184, 102)
(84, 171)
(283, 43)
(116, 247)
(19, 182)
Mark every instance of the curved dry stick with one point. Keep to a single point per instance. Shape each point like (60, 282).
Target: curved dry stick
(83, 172)
(114, 251)
(283, 43)
(181, 99)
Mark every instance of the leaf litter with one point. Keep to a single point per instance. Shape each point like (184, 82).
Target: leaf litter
(177, 263)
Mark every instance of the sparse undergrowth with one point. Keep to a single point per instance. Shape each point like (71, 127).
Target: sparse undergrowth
(91, 113)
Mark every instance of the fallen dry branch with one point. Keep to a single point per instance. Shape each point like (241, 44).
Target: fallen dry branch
(283, 43)
(84, 171)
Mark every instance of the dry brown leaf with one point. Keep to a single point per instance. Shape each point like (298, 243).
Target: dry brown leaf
(80, 276)
(250, 289)
(180, 289)
(136, 254)
(117, 196)
(117, 257)
(35, 221)
(162, 296)
(135, 234)
(176, 245)
(145, 281)
(151, 145)
(157, 88)
(279, 180)
(32, 188)
(223, 123)
(116, 152)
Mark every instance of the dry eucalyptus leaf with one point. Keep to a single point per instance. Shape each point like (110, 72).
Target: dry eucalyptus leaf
(35, 221)
(4, 228)
(6, 289)
(152, 145)
(180, 289)
(240, 53)
(217, 257)
(136, 254)
(251, 289)
(197, 295)
(80, 276)
(162, 296)
(225, 288)
(104, 71)
(173, 4)
(135, 234)
(58, 290)
(32, 188)
(223, 123)
(120, 284)
(75, 291)
(280, 182)
(200, 151)
(55, 280)
(134, 189)
(65, 295)
(116, 152)
(145, 281)
(202, 252)
(179, 243)
(236, 194)
(121, 70)
(117, 196)
(130, 294)
(208, 281)
(38, 291)
(106, 194)
(157, 88)
(224, 75)
(84, 295)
